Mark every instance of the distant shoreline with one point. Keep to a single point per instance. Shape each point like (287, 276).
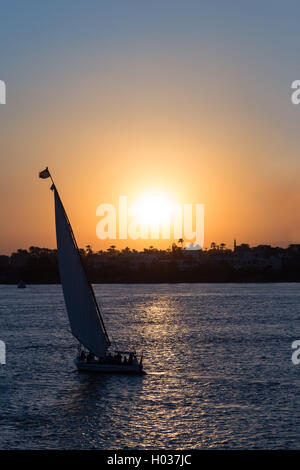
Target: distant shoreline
(244, 264)
(158, 282)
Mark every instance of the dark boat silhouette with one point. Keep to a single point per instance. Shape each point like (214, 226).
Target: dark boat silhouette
(95, 352)
(21, 285)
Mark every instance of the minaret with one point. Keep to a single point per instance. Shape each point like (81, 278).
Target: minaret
(234, 245)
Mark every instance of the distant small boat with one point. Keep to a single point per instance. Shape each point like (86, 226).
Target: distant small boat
(21, 285)
(87, 326)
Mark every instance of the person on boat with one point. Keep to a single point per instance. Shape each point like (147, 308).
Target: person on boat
(90, 357)
(82, 356)
(118, 358)
(135, 361)
(109, 359)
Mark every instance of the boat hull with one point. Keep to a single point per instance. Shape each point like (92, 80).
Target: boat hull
(21, 285)
(85, 366)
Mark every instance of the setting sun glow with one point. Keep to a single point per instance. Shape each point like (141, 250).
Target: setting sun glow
(154, 208)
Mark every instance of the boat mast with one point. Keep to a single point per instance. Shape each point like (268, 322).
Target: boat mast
(78, 252)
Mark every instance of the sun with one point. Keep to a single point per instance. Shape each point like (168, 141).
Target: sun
(154, 208)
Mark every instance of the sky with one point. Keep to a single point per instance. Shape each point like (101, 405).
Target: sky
(192, 99)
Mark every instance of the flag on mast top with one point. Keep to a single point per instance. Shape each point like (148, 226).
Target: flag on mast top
(45, 174)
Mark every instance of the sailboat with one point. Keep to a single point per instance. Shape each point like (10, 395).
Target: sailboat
(95, 352)
(21, 285)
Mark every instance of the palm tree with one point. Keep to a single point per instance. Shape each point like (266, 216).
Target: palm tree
(88, 250)
(181, 241)
(174, 247)
(112, 249)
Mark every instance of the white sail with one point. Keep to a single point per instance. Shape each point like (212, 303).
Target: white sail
(84, 315)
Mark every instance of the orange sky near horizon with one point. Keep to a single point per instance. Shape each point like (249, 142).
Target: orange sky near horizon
(208, 122)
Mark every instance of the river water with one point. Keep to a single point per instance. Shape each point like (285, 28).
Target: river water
(217, 357)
